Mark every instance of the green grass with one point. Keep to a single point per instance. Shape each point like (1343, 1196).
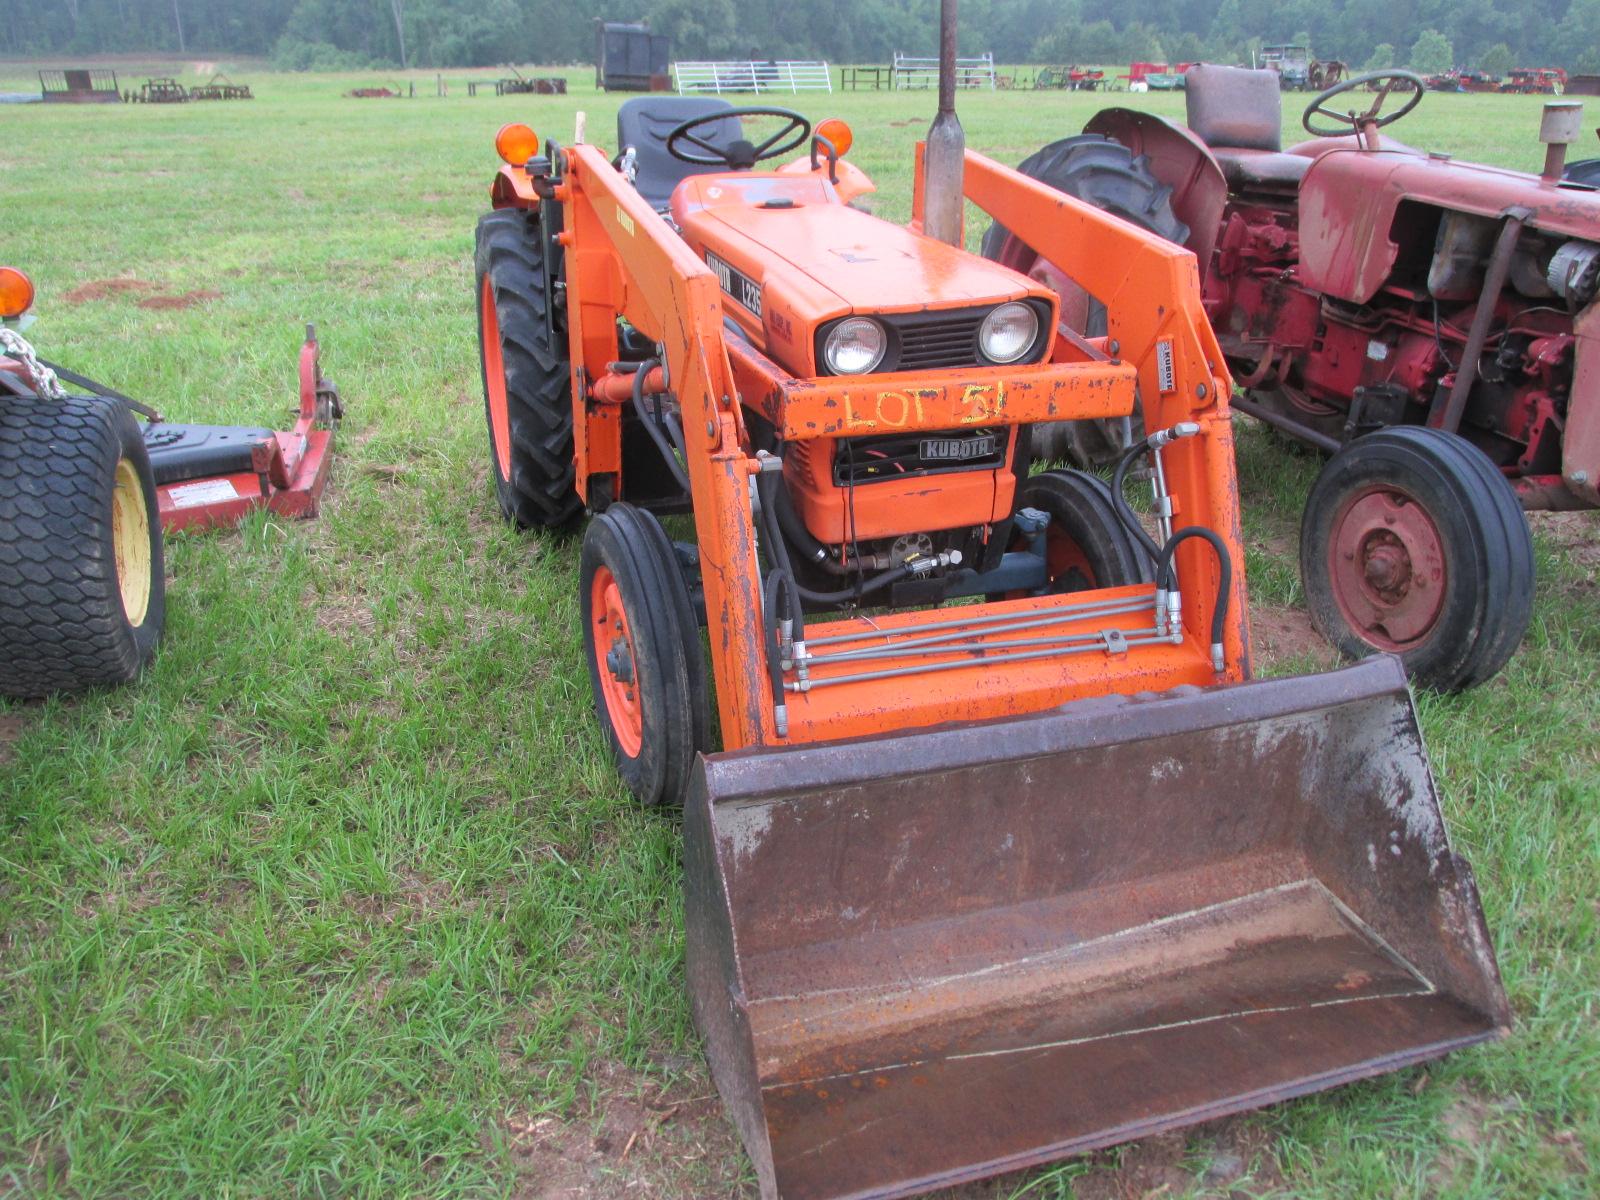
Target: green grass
(344, 899)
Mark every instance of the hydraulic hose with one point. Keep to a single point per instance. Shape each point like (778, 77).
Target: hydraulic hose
(1166, 573)
(765, 485)
(1167, 577)
(653, 427)
(1120, 502)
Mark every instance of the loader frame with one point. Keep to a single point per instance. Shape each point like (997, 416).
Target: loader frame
(623, 260)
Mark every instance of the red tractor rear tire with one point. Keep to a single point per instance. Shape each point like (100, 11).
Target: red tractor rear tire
(527, 383)
(1414, 543)
(646, 663)
(1111, 177)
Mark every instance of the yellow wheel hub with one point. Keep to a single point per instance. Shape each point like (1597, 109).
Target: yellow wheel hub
(130, 541)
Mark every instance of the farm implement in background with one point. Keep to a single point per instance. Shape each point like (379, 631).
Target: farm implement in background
(86, 492)
(972, 886)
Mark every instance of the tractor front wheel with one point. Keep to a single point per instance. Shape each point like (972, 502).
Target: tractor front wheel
(643, 645)
(1412, 542)
(82, 570)
(527, 383)
(1086, 544)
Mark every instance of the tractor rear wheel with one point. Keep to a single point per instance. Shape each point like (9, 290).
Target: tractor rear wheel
(1109, 176)
(527, 383)
(82, 570)
(1086, 545)
(645, 660)
(1414, 543)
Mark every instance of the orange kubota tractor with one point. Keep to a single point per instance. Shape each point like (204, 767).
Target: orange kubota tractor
(1003, 855)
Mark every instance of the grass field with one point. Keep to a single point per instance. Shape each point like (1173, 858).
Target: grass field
(343, 899)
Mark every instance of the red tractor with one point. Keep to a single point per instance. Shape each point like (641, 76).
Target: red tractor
(1426, 322)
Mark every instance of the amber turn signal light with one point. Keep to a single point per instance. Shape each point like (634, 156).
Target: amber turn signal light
(16, 293)
(838, 135)
(516, 144)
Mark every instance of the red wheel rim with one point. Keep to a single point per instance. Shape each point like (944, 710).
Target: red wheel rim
(1387, 566)
(494, 377)
(615, 662)
(1062, 555)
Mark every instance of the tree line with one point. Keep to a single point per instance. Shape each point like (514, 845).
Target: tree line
(1429, 35)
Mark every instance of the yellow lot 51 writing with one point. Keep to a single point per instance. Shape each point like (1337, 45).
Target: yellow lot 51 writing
(898, 409)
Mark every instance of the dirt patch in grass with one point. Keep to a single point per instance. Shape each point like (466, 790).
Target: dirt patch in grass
(639, 1137)
(187, 300)
(1576, 534)
(1282, 633)
(105, 289)
(12, 727)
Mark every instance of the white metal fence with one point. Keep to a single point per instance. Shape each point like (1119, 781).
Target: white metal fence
(924, 72)
(695, 78)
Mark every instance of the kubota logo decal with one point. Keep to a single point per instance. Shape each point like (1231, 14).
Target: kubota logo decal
(736, 284)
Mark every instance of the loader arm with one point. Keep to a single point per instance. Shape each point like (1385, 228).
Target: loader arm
(658, 284)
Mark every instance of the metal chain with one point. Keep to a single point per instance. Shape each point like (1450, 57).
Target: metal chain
(43, 378)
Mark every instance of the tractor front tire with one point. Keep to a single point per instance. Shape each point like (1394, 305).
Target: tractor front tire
(1413, 542)
(1086, 544)
(82, 569)
(645, 660)
(527, 382)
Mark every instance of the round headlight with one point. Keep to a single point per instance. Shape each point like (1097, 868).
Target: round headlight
(1008, 332)
(854, 346)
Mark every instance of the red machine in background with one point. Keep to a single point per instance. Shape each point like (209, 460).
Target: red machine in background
(1357, 284)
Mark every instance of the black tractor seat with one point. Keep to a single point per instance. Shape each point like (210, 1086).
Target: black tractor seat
(644, 123)
(1245, 168)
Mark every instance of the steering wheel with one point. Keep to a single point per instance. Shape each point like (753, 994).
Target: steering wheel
(1349, 121)
(739, 154)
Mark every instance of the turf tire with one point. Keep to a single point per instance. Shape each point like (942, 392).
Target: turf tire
(63, 622)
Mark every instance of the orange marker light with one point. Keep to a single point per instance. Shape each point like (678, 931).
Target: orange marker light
(16, 293)
(838, 134)
(516, 144)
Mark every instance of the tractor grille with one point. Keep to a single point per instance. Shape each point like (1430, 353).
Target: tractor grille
(922, 452)
(926, 344)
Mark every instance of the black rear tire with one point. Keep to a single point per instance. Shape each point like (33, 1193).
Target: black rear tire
(1087, 544)
(646, 664)
(527, 382)
(76, 492)
(1414, 543)
(1109, 176)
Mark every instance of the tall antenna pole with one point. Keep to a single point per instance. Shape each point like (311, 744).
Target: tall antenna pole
(942, 198)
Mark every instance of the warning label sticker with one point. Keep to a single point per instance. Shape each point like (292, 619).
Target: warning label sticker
(207, 491)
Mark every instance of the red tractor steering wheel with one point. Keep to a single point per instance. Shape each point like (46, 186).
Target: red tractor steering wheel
(739, 154)
(1348, 122)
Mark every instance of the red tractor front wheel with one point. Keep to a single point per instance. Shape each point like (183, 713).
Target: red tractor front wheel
(1414, 543)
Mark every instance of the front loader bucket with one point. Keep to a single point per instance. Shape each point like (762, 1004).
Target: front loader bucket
(945, 954)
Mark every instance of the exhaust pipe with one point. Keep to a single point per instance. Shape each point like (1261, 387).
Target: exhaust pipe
(1559, 127)
(942, 197)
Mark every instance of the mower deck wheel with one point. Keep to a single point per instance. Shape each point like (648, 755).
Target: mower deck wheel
(646, 663)
(82, 571)
(1413, 543)
(527, 385)
(1086, 545)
